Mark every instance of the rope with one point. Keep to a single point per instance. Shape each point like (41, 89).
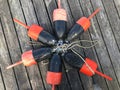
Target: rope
(84, 61)
(73, 44)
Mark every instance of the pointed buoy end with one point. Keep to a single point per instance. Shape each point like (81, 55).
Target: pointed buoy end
(94, 13)
(21, 23)
(103, 75)
(15, 64)
(59, 4)
(53, 87)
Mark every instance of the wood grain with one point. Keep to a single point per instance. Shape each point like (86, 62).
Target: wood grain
(14, 41)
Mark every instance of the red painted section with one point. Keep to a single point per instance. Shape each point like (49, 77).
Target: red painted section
(34, 31)
(28, 59)
(54, 78)
(59, 14)
(84, 23)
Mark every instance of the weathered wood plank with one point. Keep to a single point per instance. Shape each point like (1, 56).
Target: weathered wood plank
(70, 19)
(33, 71)
(76, 14)
(107, 39)
(2, 85)
(73, 76)
(111, 45)
(96, 80)
(50, 6)
(91, 53)
(117, 4)
(13, 46)
(8, 76)
(42, 16)
(65, 85)
(115, 26)
(104, 28)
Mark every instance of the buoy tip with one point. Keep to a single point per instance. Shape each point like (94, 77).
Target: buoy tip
(53, 87)
(13, 65)
(94, 13)
(59, 4)
(21, 23)
(103, 75)
(8, 67)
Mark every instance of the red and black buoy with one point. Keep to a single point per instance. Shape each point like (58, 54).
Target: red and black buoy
(87, 67)
(60, 21)
(32, 57)
(38, 33)
(54, 73)
(81, 26)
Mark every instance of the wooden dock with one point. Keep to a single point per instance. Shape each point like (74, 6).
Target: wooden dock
(105, 26)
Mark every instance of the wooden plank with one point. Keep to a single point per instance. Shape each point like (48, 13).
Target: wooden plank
(70, 19)
(117, 4)
(65, 85)
(106, 37)
(33, 71)
(111, 45)
(90, 53)
(95, 80)
(2, 84)
(77, 13)
(115, 26)
(74, 79)
(104, 54)
(43, 68)
(13, 46)
(113, 19)
(8, 76)
(42, 16)
(50, 6)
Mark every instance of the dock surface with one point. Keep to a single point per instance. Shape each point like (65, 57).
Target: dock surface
(105, 27)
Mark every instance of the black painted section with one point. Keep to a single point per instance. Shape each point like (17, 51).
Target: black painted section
(55, 64)
(75, 32)
(46, 38)
(42, 54)
(73, 60)
(60, 28)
